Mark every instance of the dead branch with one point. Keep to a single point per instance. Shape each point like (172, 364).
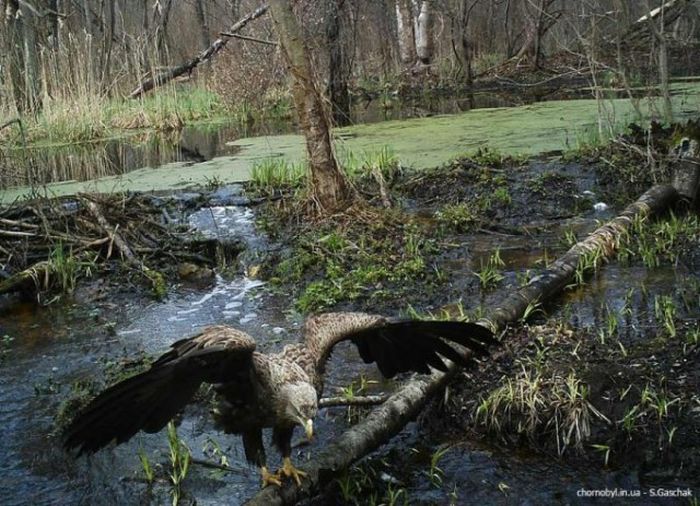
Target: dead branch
(251, 39)
(111, 231)
(388, 419)
(364, 400)
(187, 67)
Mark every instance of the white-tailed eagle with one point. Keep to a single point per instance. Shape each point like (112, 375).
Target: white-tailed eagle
(259, 390)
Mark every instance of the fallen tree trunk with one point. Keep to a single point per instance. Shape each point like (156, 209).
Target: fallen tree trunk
(388, 419)
(167, 76)
(34, 273)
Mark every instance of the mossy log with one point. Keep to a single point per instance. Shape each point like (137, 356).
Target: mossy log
(187, 67)
(36, 272)
(401, 407)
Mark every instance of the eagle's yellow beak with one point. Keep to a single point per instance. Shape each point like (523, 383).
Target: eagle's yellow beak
(309, 428)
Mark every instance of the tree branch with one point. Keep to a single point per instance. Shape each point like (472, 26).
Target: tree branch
(167, 76)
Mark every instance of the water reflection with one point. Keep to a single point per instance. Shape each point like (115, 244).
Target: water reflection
(39, 166)
(83, 162)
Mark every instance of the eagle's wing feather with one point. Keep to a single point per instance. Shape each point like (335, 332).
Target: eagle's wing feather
(395, 345)
(147, 401)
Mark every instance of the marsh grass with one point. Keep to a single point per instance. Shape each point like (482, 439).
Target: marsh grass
(180, 459)
(540, 407)
(273, 175)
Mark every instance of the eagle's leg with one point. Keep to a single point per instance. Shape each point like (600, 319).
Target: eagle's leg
(282, 439)
(255, 454)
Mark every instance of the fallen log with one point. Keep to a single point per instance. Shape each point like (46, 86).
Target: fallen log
(358, 400)
(404, 405)
(187, 67)
(34, 273)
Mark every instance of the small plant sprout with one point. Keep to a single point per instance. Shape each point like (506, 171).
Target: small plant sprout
(671, 433)
(604, 449)
(180, 459)
(435, 474)
(148, 471)
(665, 312)
(489, 275)
(533, 307)
(393, 496)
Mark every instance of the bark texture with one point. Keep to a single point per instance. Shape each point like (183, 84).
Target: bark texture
(406, 33)
(331, 190)
(425, 40)
(338, 62)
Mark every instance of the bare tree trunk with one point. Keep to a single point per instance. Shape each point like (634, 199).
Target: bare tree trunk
(15, 57)
(110, 21)
(507, 30)
(425, 37)
(539, 21)
(203, 26)
(330, 188)
(54, 35)
(466, 48)
(31, 62)
(338, 65)
(162, 29)
(659, 33)
(406, 35)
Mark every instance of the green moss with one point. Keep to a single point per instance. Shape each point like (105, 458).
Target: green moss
(460, 217)
(363, 261)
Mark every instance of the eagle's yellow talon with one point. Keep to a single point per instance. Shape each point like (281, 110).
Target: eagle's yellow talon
(290, 471)
(270, 479)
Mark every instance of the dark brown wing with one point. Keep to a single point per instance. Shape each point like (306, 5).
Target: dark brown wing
(147, 401)
(396, 345)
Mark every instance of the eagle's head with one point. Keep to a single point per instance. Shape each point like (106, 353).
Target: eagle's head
(300, 405)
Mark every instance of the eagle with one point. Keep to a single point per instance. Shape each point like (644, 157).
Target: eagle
(257, 390)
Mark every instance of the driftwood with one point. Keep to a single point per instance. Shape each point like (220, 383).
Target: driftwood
(388, 419)
(114, 235)
(187, 67)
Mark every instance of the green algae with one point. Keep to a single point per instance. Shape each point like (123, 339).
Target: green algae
(418, 143)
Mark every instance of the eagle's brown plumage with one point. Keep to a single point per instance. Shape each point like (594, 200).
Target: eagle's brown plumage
(265, 390)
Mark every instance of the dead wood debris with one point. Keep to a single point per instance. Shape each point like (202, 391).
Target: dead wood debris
(37, 236)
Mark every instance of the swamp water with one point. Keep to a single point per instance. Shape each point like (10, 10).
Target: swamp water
(47, 349)
(204, 154)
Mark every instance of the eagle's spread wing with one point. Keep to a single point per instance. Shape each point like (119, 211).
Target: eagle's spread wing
(395, 345)
(147, 401)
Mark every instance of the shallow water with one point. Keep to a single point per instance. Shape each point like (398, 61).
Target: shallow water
(57, 345)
